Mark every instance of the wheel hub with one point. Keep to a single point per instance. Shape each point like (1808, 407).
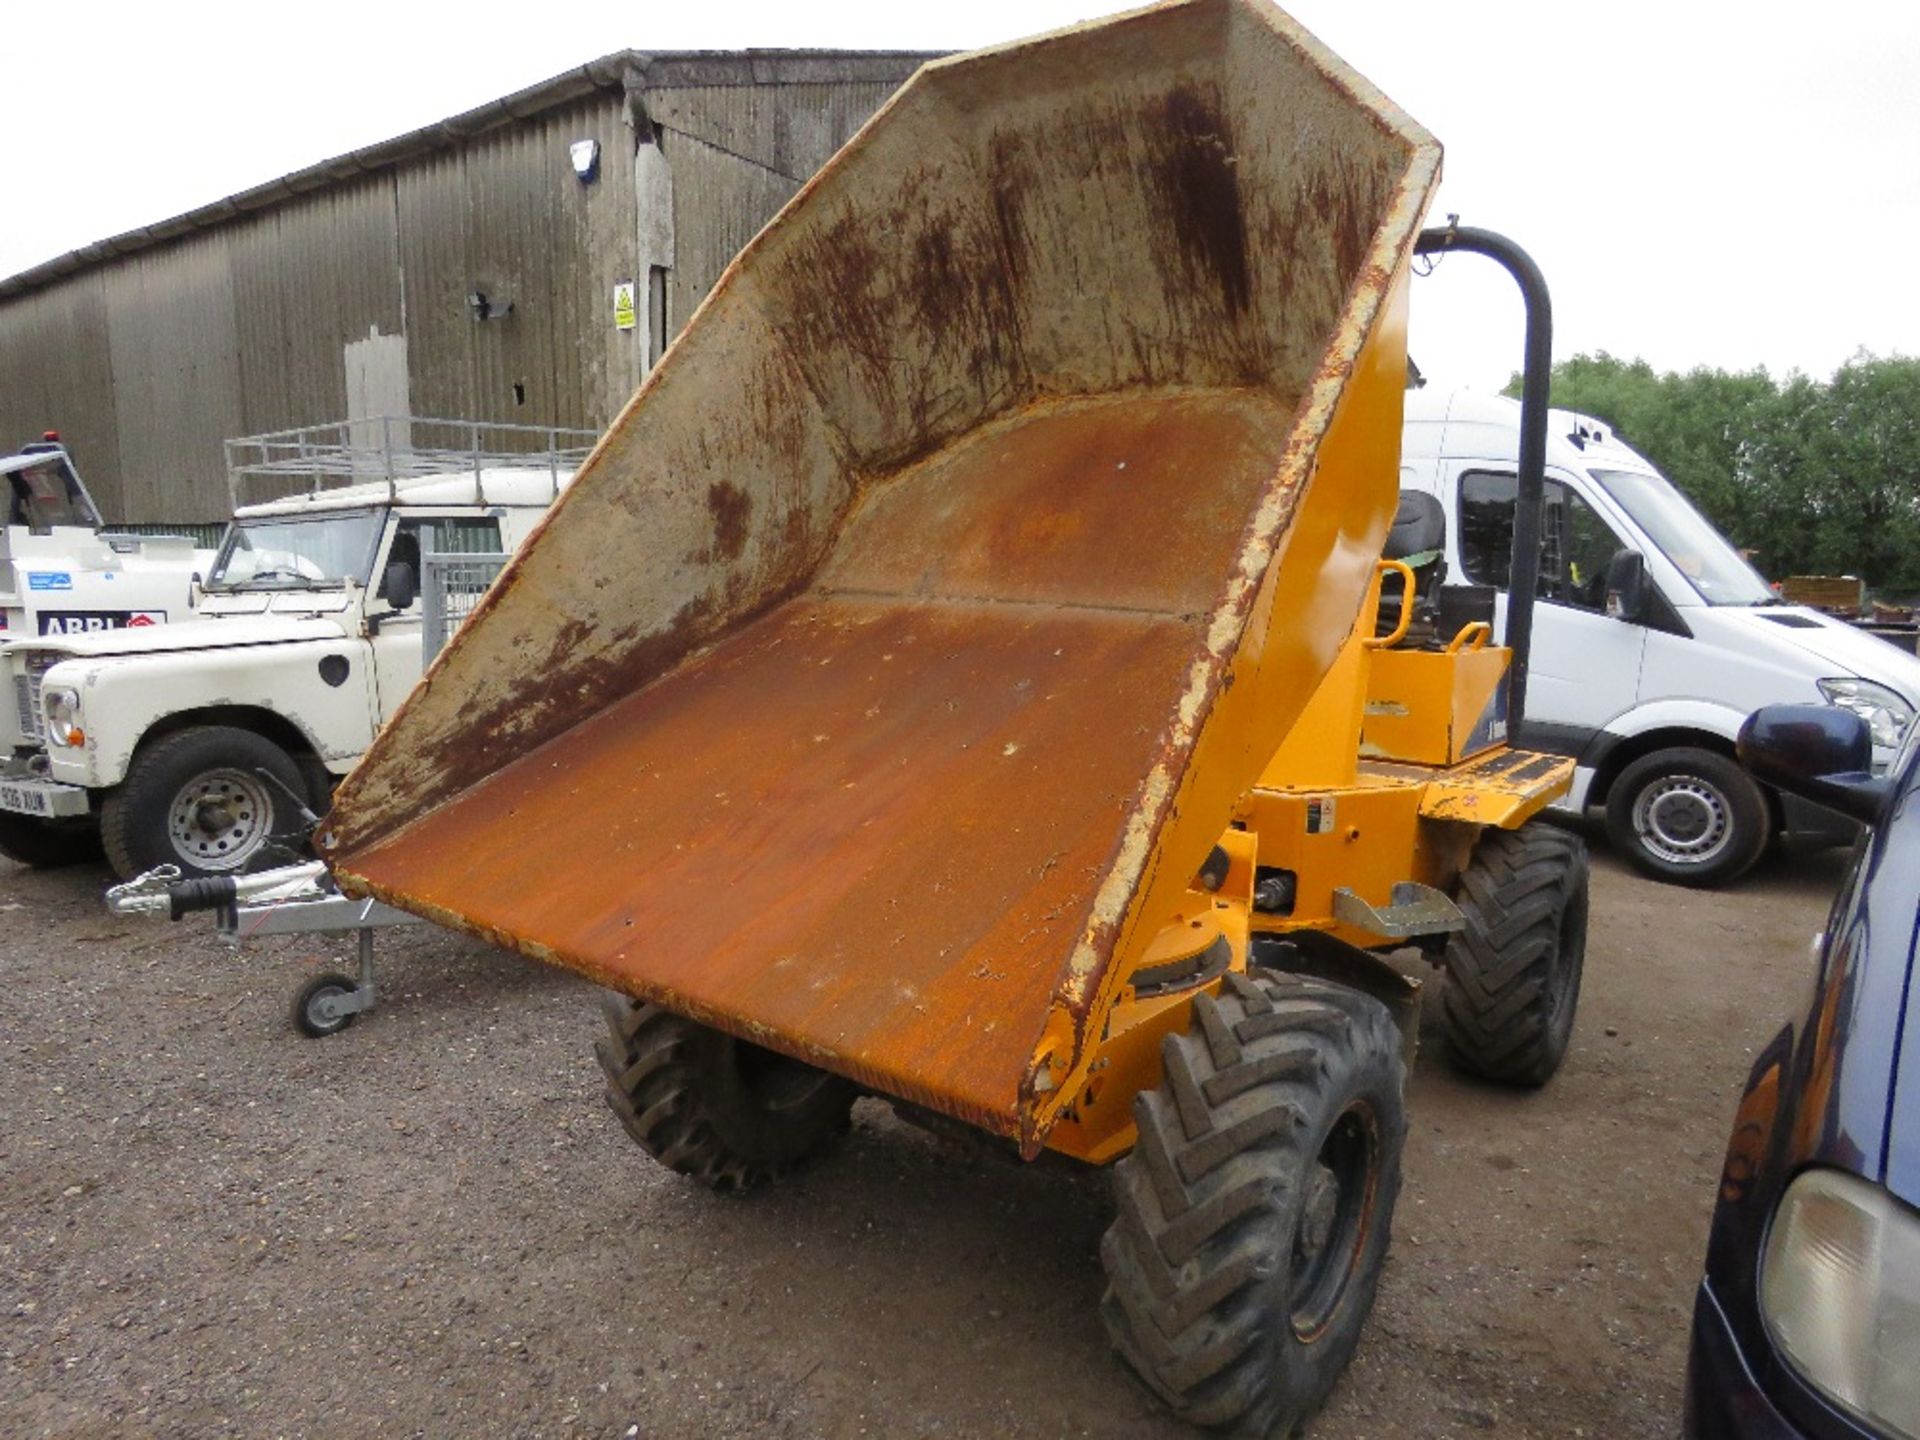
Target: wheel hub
(1319, 1209)
(325, 1007)
(1683, 819)
(1336, 1212)
(219, 819)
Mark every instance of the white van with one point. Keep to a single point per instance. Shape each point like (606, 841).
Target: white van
(1653, 639)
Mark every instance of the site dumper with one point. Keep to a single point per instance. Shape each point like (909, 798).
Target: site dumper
(899, 700)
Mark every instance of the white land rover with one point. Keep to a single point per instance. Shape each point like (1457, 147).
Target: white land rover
(198, 744)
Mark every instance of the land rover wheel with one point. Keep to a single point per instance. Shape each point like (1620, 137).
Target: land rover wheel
(198, 799)
(1689, 816)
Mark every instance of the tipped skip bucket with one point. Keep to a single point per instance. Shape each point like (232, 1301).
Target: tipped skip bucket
(881, 682)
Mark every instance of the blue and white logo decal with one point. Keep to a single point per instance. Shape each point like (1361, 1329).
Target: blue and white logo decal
(49, 580)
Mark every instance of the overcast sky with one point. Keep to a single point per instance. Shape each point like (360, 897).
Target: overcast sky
(1703, 183)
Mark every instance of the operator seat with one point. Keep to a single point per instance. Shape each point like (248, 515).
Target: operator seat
(1419, 539)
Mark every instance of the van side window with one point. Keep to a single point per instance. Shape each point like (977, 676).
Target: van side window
(1575, 543)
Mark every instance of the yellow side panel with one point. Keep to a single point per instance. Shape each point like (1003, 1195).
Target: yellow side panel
(1361, 838)
(1424, 706)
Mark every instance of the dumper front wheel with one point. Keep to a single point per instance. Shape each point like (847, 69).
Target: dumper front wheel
(1254, 1211)
(1513, 971)
(728, 1113)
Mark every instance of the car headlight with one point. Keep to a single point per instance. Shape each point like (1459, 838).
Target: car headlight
(1886, 712)
(62, 706)
(1840, 1290)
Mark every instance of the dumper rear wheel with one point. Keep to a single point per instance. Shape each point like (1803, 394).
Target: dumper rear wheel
(1513, 972)
(728, 1113)
(1254, 1211)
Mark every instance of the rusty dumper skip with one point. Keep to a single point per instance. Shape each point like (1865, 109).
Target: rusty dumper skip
(956, 677)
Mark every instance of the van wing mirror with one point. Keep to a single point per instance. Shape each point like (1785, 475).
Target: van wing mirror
(1821, 753)
(1628, 587)
(402, 587)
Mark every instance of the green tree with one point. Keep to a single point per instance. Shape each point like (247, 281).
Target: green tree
(1814, 477)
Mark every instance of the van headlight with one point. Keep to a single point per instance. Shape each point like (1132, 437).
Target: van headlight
(1886, 712)
(1840, 1291)
(61, 704)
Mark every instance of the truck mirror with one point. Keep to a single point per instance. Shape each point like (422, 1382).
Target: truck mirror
(1818, 752)
(402, 588)
(1627, 586)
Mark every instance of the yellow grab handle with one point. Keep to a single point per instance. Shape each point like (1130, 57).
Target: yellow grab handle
(1378, 642)
(1474, 635)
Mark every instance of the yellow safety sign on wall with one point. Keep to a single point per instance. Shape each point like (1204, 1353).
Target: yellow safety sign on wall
(623, 313)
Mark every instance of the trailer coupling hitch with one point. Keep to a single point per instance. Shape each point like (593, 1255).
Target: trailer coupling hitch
(162, 889)
(145, 894)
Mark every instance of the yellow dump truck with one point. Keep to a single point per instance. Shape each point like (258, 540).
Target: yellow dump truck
(966, 674)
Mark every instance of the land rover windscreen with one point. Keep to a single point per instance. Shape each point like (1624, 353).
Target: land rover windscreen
(282, 552)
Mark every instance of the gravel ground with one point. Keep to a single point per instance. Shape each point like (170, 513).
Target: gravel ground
(430, 1225)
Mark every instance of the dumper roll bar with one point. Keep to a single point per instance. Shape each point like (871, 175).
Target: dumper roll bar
(1536, 375)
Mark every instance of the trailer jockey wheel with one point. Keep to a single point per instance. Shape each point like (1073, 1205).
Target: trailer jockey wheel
(1254, 1211)
(725, 1112)
(319, 1011)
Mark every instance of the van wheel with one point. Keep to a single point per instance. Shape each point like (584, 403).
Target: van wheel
(1254, 1211)
(197, 799)
(1688, 816)
(48, 844)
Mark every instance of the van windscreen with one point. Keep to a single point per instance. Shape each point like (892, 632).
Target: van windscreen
(1687, 538)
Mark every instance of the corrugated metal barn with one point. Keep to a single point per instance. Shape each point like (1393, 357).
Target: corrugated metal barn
(464, 270)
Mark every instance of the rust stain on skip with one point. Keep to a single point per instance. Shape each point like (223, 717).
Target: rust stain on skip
(731, 508)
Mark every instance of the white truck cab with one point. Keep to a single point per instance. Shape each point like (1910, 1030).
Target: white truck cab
(197, 744)
(62, 573)
(1653, 639)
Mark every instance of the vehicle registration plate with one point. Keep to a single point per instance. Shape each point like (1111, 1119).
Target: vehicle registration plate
(25, 799)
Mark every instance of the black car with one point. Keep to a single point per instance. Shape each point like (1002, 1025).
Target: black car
(1807, 1322)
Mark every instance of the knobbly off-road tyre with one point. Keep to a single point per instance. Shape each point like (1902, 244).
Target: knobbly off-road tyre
(1513, 972)
(725, 1112)
(1254, 1212)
